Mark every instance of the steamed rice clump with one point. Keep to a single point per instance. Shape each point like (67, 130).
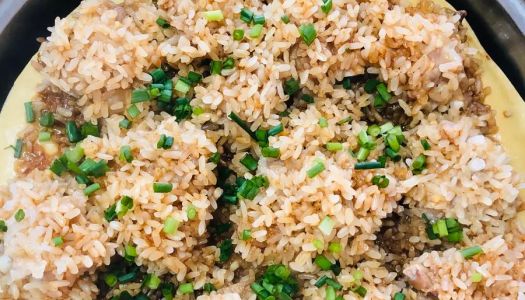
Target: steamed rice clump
(31, 265)
(105, 49)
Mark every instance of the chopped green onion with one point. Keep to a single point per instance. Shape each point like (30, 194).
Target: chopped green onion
(123, 206)
(383, 92)
(322, 262)
(270, 152)
(360, 290)
(47, 119)
(167, 290)
(110, 213)
(208, 287)
(91, 189)
(471, 251)
(455, 237)
(96, 169)
(133, 111)
(88, 129)
(165, 96)
(57, 167)
(215, 158)
(182, 109)
(323, 123)
(75, 154)
(357, 275)
(249, 162)
(246, 234)
(158, 75)
(344, 121)
(318, 244)
(291, 86)
(326, 226)
(365, 165)
(238, 34)
(125, 153)
(19, 145)
(334, 146)
(185, 288)
(235, 118)
(425, 144)
(308, 33)
(316, 168)
(392, 154)
(335, 247)
(379, 101)
(73, 133)
(246, 15)
(110, 280)
(275, 130)
(392, 142)
(365, 141)
(3, 226)
(442, 228)
(226, 250)
(399, 296)
(381, 181)
(162, 187)
(362, 154)
(326, 7)
(162, 23)
(214, 15)
(44, 136)
(20, 215)
(307, 98)
(124, 123)
(194, 77)
(228, 63)
(386, 127)
(58, 241)
(373, 130)
(154, 92)
(83, 179)
(140, 95)
(347, 82)
(259, 19)
(285, 19)
(370, 85)
(130, 252)
(191, 212)
(216, 67)
(30, 115)
(248, 190)
(161, 141)
(170, 225)
(261, 136)
(126, 278)
(197, 110)
(321, 281)
(330, 293)
(151, 281)
(256, 31)
(182, 86)
(476, 277)
(336, 285)
(419, 163)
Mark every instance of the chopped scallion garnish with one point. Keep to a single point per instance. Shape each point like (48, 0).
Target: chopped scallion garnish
(381, 181)
(326, 225)
(315, 169)
(291, 86)
(360, 290)
(162, 22)
(19, 145)
(365, 165)
(246, 15)
(259, 19)
(425, 144)
(44, 136)
(307, 98)
(162, 187)
(170, 225)
(246, 234)
(214, 15)
(399, 296)
(124, 123)
(238, 34)
(256, 31)
(191, 212)
(323, 263)
(326, 7)
(110, 279)
(228, 63)
(151, 281)
(91, 189)
(308, 33)
(419, 163)
(130, 252)
(344, 121)
(335, 247)
(182, 85)
(235, 118)
(30, 115)
(216, 67)
(140, 95)
(3, 226)
(370, 85)
(47, 119)
(125, 153)
(74, 154)
(185, 288)
(476, 277)
(249, 162)
(58, 241)
(133, 111)
(275, 130)
(226, 250)
(334, 146)
(323, 123)
(20, 215)
(270, 152)
(73, 133)
(88, 129)
(471, 251)
(285, 19)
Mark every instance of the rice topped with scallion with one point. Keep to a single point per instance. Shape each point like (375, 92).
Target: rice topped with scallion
(334, 149)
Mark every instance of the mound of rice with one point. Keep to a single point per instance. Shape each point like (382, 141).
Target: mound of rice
(31, 266)
(105, 48)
